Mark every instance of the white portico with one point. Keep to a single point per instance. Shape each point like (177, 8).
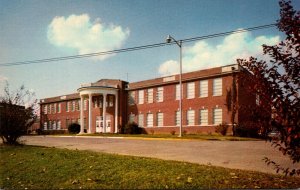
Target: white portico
(90, 90)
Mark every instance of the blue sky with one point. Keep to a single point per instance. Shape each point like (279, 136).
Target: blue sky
(35, 29)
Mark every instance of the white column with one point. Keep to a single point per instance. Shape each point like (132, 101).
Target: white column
(116, 113)
(104, 113)
(90, 113)
(81, 115)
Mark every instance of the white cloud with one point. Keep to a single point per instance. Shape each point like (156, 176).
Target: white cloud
(203, 55)
(79, 33)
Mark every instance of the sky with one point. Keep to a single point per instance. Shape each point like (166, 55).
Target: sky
(40, 29)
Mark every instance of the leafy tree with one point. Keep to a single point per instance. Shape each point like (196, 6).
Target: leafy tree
(16, 118)
(74, 128)
(277, 84)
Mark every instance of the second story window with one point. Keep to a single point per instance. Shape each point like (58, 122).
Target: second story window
(73, 105)
(45, 109)
(203, 88)
(190, 90)
(177, 93)
(217, 87)
(131, 98)
(150, 95)
(141, 96)
(85, 102)
(67, 106)
(160, 94)
(58, 107)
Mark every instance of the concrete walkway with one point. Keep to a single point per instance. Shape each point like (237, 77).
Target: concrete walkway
(245, 155)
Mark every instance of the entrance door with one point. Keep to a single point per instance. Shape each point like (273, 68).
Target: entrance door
(99, 124)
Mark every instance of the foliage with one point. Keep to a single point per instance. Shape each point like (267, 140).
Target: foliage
(247, 131)
(222, 129)
(74, 128)
(172, 132)
(51, 168)
(277, 83)
(15, 117)
(132, 128)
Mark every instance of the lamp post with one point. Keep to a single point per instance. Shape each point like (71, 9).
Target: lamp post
(179, 43)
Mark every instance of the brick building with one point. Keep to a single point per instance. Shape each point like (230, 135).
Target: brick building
(153, 104)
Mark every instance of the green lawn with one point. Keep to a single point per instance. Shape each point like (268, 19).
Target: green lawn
(49, 168)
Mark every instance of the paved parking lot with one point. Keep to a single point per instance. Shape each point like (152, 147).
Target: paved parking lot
(246, 155)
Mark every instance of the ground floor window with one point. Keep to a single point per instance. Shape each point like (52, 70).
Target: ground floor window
(190, 117)
(58, 126)
(160, 119)
(149, 120)
(177, 118)
(141, 120)
(203, 117)
(217, 116)
(45, 125)
(131, 118)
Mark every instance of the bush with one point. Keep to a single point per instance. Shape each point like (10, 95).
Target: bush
(222, 129)
(74, 128)
(172, 132)
(246, 131)
(132, 128)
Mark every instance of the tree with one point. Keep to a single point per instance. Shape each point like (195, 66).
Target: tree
(277, 84)
(16, 117)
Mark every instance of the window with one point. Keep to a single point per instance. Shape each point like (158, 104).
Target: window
(257, 99)
(150, 95)
(96, 102)
(160, 119)
(54, 125)
(160, 94)
(45, 109)
(85, 102)
(45, 125)
(177, 94)
(58, 107)
(78, 105)
(49, 109)
(141, 97)
(177, 118)
(54, 108)
(217, 116)
(217, 87)
(111, 101)
(190, 90)
(73, 105)
(203, 117)
(141, 120)
(204, 88)
(78, 121)
(67, 106)
(58, 125)
(131, 98)
(49, 125)
(131, 118)
(190, 117)
(149, 120)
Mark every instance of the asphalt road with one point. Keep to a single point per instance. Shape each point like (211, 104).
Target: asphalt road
(245, 155)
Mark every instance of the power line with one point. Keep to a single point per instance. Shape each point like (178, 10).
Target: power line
(136, 48)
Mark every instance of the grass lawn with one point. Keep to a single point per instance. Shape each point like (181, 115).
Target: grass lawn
(49, 168)
(169, 136)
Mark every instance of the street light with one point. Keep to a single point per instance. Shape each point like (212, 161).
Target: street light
(179, 43)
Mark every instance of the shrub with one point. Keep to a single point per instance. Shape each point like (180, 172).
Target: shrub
(222, 129)
(74, 128)
(246, 131)
(172, 132)
(132, 128)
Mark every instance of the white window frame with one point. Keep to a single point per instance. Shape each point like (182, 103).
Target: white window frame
(177, 92)
(150, 95)
(203, 87)
(73, 106)
(85, 102)
(160, 119)
(203, 117)
(131, 98)
(149, 121)
(217, 87)
(59, 108)
(67, 106)
(131, 118)
(45, 125)
(58, 125)
(190, 90)
(217, 116)
(45, 109)
(160, 94)
(177, 118)
(111, 101)
(141, 120)
(141, 97)
(190, 117)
